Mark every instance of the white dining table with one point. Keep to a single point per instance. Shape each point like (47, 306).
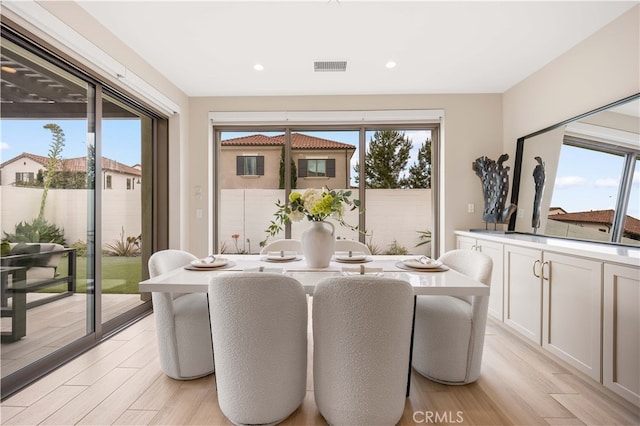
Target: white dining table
(423, 281)
(187, 279)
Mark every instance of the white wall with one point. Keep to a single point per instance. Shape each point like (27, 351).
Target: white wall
(473, 128)
(248, 212)
(602, 69)
(67, 208)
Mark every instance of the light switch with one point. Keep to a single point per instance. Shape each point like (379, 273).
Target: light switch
(471, 208)
(198, 213)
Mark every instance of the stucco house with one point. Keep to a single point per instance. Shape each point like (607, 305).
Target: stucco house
(318, 162)
(23, 171)
(601, 220)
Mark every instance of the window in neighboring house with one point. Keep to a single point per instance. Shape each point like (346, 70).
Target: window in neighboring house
(24, 177)
(129, 183)
(108, 182)
(250, 165)
(309, 167)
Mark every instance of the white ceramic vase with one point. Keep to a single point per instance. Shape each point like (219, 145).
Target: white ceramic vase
(318, 244)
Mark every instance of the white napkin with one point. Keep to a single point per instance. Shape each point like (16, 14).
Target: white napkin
(422, 262)
(361, 270)
(350, 255)
(282, 254)
(265, 269)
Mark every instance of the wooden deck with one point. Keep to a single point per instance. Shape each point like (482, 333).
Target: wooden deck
(120, 383)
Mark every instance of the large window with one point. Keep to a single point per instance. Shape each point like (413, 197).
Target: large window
(394, 184)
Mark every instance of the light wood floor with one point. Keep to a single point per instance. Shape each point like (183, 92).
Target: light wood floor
(120, 382)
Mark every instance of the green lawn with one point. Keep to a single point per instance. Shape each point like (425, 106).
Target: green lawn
(120, 275)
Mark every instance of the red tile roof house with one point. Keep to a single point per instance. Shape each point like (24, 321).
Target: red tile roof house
(254, 162)
(601, 220)
(23, 169)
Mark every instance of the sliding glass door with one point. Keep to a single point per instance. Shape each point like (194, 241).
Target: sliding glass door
(71, 166)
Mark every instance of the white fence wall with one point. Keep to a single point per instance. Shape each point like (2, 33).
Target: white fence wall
(67, 208)
(392, 214)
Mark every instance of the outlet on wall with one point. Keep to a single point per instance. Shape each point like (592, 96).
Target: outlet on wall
(471, 208)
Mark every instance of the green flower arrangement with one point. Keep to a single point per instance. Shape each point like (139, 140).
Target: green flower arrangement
(314, 204)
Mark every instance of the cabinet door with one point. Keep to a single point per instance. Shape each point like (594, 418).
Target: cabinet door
(621, 331)
(465, 243)
(571, 318)
(523, 291)
(496, 253)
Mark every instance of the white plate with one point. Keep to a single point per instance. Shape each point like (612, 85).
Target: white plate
(202, 263)
(355, 255)
(279, 255)
(415, 263)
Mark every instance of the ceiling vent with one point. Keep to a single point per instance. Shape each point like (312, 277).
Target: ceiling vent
(330, 66)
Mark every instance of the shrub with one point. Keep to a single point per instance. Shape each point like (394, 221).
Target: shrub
(129, 246)
(396, 249)
(81, 248)
(38, 231)
(424, 237)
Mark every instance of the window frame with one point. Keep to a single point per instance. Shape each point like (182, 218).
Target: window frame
(241, 165)
(303, 121)
(329, 167)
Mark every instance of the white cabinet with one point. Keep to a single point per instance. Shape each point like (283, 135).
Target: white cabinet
(555, 300)
(621, 331)
(523, 291)
(580, 301)
(495, 251)
(571, 310)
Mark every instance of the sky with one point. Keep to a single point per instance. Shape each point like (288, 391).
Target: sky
(121, 139)
(589, 180)
(586, 180)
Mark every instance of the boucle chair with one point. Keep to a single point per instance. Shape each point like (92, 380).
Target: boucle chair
(361, 347)
(284, 244)
(259, 329)
(182, 323)
(346, 245)
(449, 331)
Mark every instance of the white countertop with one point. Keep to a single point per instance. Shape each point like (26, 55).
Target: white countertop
(430, 282)
(606, 252)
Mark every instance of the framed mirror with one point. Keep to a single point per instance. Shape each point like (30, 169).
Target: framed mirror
(580, 179)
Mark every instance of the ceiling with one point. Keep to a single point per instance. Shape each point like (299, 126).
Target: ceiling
(209, 48)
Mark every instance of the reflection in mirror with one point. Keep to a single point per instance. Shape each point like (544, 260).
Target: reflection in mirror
(592, 177)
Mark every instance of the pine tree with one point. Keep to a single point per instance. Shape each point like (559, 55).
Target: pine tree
(420, 172)
(386, 159)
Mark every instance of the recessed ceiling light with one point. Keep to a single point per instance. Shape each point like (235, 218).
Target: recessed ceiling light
(391, 64)
(258, 67)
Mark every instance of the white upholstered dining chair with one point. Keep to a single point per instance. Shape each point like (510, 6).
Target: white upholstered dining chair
(259, 329)
(182, 323)
(449, 331)
(284, 244)
(361, 347)
(352, 245)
